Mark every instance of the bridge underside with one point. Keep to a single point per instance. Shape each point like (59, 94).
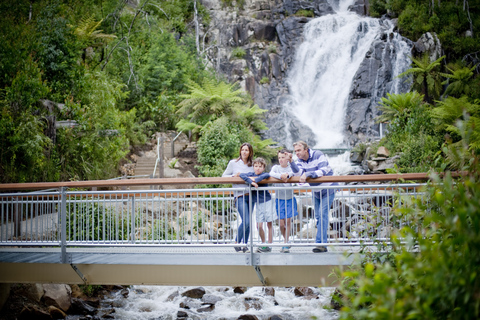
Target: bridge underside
(187, 267)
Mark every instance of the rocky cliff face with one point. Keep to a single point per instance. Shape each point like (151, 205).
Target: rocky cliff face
(268, 33)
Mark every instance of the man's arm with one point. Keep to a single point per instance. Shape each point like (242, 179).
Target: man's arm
(318, 167)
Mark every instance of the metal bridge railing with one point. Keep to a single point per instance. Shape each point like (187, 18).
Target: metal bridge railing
(185, 217)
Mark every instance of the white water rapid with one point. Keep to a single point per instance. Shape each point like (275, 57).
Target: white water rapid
(163, 302)
(325, 64)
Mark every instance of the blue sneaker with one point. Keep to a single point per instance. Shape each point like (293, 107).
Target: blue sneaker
(285, 250)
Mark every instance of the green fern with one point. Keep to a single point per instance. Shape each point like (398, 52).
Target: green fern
(398, 106)
(210, 101)
(459, 80)
(88, 34)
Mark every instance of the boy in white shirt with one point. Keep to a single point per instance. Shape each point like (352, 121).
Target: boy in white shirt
(285, 202)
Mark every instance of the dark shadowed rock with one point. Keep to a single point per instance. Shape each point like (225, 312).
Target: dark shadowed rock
(33, 312)
(247, 317)
(240, 290)
(80, 306)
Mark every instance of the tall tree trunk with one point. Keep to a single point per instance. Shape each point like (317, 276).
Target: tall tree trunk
(197, 42)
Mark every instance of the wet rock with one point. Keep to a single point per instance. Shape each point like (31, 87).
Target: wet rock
(182, 315)
(269, 291)
(172, 296)
(247, 317)
(80, 306)
(196, 293)
(211, 299)
(124, 292)
(356, 157)
(253, 303)
(240, 290)
(207, 308)
(303, 291)
(275, 317)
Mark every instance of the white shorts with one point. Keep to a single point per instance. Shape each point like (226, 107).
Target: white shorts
(266, 211)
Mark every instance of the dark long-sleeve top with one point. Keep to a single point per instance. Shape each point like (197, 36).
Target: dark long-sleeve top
(257, 195)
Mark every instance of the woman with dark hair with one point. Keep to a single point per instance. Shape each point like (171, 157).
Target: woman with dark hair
(243, 164)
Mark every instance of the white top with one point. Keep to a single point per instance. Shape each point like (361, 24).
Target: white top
(237, 166)
(276, 172)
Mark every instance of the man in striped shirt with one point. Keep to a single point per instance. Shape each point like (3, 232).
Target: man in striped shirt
(314, 164)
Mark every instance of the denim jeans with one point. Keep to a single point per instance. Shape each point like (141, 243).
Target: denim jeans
(322, 206)
(243, 207)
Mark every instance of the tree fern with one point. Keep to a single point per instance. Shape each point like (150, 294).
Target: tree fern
(87, 32)
(426, 77)
(211, 100)
(459, 80)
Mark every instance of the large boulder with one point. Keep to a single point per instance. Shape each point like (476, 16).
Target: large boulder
(57, 295)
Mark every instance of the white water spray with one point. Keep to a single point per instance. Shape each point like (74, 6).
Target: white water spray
(325, 64)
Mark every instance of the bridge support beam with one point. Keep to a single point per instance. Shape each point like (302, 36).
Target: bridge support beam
(169, 275)
(80, 274)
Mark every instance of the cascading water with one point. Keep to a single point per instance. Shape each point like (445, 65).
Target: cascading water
(325, 65)
(167, 303)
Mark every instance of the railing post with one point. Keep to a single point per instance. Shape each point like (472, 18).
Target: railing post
(17, 221)
(250, 210)
(63, 223)
(132, 234)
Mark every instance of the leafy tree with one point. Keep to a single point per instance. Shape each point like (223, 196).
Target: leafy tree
(57, 51)
(426, 77)
(218, 144)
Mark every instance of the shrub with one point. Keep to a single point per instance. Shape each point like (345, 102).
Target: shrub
(433, 269)
(238, 53)
(305, 13)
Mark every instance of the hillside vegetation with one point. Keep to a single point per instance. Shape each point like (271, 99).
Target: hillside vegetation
(117, 71)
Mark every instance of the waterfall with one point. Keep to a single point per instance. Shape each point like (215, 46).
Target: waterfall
(325, 65)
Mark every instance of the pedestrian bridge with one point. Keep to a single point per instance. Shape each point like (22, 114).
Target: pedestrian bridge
(100, 232)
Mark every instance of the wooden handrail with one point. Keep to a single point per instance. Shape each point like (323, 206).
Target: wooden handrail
(207, 180)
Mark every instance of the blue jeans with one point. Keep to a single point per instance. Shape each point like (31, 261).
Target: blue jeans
(243, 207)
(324, 202)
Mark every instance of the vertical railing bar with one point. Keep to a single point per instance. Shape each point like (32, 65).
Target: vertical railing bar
(63, 214)
(133, 220)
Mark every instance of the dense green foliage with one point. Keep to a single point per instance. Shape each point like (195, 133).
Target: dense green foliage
(432, 268)
(457, 23)
(117, 71)
(418, 124)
